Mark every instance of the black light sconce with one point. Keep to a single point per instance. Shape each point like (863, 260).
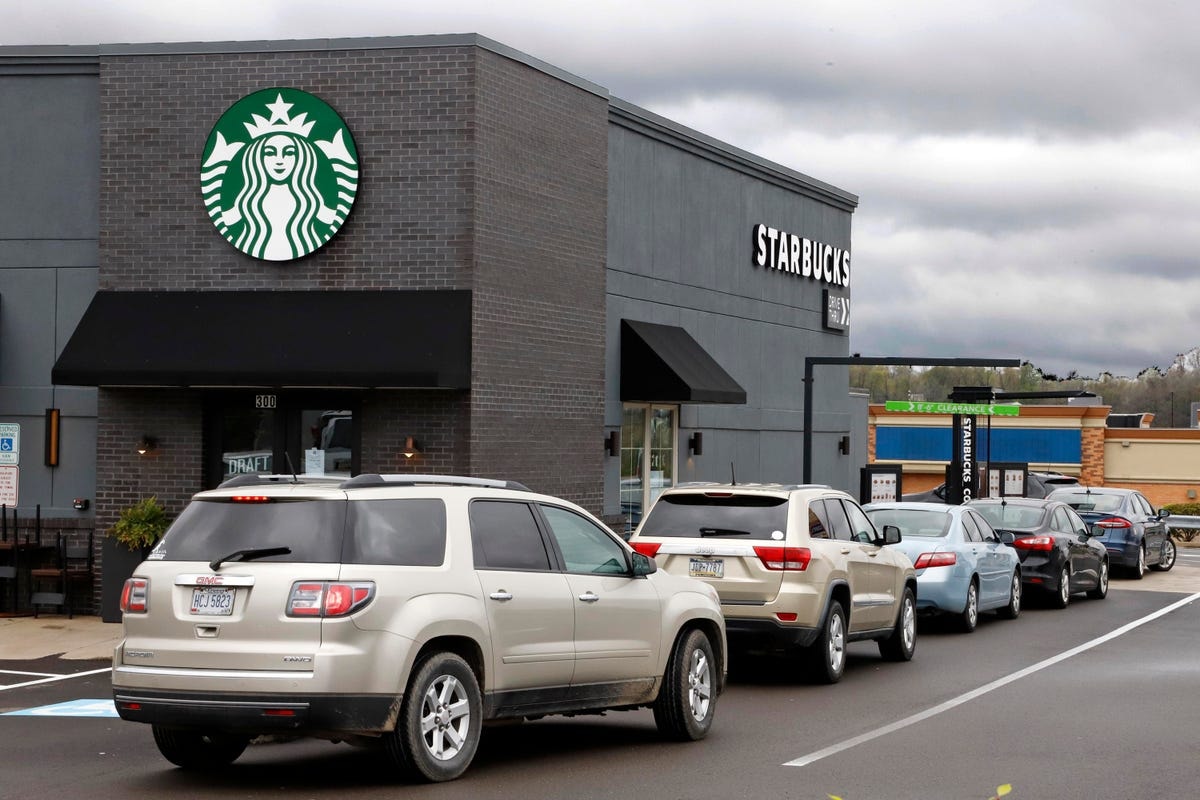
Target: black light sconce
(696, 444)
(612, 444)
(411, 447)
(844, 445)
(148, 444)
(53, 417)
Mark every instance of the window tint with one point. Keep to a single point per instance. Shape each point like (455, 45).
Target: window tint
(1061, 522)
(738, 516)
(209, 529)
(1077, 524)
(1012, 517)
(912, 522)
(836, 516)
(860, 527)
(410, 532)
(985, 530)
(1089, 501)
(818, 527)
(584, 546)
(970, 529)
(1143, 506)
(505, 535)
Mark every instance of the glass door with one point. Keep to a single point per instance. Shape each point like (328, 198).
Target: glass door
(649, 436)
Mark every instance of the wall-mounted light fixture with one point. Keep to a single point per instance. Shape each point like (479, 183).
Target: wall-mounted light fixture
(844, 445)
(696, 444)
(1191, 494)
(612, 443)
(53, 417)
(411, 447)
(148, 444)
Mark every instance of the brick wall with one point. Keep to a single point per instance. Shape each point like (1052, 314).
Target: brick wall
(1092, 457)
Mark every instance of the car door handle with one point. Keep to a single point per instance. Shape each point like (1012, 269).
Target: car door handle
(846, 551)
(589, 597)
(501, 595)
(874, 553)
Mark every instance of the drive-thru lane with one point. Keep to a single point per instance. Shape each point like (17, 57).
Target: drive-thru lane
(1106, 721)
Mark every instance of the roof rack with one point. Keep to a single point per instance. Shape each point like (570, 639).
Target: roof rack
(259, 480)
(368, 480)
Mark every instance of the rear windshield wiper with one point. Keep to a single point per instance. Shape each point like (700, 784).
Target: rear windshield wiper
(723, 532)
(246, 555)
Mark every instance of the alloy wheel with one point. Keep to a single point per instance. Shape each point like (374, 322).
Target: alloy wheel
(445, 717)
(836, 652)
(699, 685)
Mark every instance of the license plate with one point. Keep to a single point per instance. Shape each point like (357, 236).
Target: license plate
(216, 601)
(706, 568)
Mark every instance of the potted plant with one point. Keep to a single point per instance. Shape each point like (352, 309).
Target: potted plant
(129, 540)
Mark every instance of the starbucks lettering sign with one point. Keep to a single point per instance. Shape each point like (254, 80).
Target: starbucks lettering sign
(279, 174)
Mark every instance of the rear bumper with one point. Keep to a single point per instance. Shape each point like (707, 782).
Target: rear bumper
(767, 635)
(258, 714)
(1122, 554)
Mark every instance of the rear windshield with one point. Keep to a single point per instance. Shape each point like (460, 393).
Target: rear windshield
(409, 532)
(1011, 517)
(1087, 501)
(912, 522)
(719, 517)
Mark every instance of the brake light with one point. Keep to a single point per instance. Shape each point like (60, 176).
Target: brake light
(786, 559)
(135, 596)
(1114, 522)
(935, 560)
(648, 549)
(1035, 543)
(250, 498)
(328, 598)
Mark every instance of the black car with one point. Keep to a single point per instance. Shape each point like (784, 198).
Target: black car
(1135, 534)
(1037, 485)
(1059, 555)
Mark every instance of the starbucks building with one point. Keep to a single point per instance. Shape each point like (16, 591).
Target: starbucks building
(429, 254)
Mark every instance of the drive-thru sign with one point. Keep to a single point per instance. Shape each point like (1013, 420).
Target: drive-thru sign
(980, 409)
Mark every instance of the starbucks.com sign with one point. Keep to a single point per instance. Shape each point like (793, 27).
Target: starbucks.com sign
(279, 174)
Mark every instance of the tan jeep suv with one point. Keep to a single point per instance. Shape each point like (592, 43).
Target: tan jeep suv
(798, 568)
(406, 611)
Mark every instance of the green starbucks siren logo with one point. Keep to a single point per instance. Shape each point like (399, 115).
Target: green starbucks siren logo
(279, 174)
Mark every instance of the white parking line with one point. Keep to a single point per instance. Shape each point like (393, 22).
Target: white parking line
(19, 672)
(54, 678)
(982, 690)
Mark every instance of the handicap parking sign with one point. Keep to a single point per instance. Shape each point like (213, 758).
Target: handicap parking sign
(10, 443)
(6, 444)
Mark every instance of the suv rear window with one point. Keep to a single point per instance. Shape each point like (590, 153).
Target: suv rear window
(738, 516)
(406, 532)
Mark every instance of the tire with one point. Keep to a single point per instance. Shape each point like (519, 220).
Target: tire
(826, 657)
(902, 642)
(197, 750)
(1062, 597)
(1101, 590)
(688, 698)
(1013, 609)
(1169, 554)
(969, 618)
(1138, 570)
(440, 720)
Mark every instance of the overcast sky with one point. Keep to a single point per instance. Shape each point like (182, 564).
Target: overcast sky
(1027, 172)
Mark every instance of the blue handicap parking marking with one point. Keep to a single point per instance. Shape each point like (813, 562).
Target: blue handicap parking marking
(6, 444)
(73, 708)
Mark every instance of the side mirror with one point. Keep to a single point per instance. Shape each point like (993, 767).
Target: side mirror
(1163, 513)
(891, 535)
(1007, 537)
(643, 565)
(940, 491)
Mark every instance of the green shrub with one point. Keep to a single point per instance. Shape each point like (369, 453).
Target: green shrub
(1186, 510)
(141, 524)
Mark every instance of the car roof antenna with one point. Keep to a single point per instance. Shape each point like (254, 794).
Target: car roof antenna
(732, 475)
(291, 467)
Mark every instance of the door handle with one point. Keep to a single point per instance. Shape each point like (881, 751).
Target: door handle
(874, 553)
(501, 595)
(846, 551)
(589, 597)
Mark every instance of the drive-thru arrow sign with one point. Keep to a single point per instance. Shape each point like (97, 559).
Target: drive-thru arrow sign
(978, 409)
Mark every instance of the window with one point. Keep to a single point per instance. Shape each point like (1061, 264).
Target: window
(584, 546)
(1077, 525)
(1061, 522)
(505, 535)
(311, 530)
(985, 530)
(862, 529)
(410, 533)
(649, 434)
(817, 529)
(835, 515)
(970, 530)
(740, 516)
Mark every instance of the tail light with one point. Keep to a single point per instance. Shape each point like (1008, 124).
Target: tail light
(250, 498)
(328, 598)
(785, 559)
(1035, 543)
(935, 560)
(1114, 522)
(135, 596)
(648, 549)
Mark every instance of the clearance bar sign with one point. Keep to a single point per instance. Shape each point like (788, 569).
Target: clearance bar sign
(979, 409)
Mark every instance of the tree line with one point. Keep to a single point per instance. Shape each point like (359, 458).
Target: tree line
(1168, 395)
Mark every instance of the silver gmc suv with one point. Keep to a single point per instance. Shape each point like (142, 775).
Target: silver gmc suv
(406, 611)
(798, 568)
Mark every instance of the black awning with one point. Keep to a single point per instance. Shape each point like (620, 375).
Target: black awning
(664, 364)
(272, 338)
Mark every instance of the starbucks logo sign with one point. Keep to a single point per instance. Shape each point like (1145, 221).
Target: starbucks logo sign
(279, 174)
